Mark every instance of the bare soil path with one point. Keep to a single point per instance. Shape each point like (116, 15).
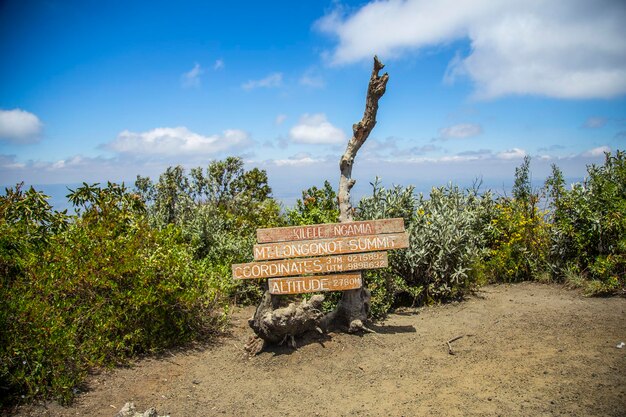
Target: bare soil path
(527, 350)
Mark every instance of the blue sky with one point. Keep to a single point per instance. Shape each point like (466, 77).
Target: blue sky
(96, 91)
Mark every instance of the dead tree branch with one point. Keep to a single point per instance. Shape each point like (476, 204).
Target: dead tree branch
(360, 133)
(450, 351)
(353, 308)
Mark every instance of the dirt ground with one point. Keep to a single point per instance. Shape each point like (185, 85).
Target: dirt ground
(527, 350)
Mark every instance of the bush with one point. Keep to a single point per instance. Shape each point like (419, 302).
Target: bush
(317, 205)
(218, 210)
(588, 237)
(518, 243)
(107, 288)
(446, 243)
(387, 284)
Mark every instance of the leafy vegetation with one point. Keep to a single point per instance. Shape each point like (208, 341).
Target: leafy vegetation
(588, 237)
(447, 242)
(217, 210)
(519, 233)
(138, 271)
(317, 205)
(92, 291)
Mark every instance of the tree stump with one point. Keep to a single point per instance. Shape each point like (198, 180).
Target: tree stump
(276, 323)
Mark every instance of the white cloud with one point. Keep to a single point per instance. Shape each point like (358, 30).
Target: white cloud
(599, 151)
(70, 170)
(563, 49)
(515, 153)
(280, 119)
(167, 141)
(219, 64)
(19, 126)
(479, 153)
(315, 129)
(312, 80)
(8, 162)
(291, 175)
(595, 122)
(301, 159)
(192, 77)
(460, 131)
(271, 81)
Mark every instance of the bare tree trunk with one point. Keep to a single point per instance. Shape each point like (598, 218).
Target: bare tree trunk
(360, 133)
(275, 321)
(353, 309)
(278, 320)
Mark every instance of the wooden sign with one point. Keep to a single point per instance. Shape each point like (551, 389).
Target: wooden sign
(305, 266)
(291, 255)
(326, 231)
(321, 247)
(316, 283)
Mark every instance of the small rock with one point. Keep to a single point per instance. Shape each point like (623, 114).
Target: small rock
(620, 345)
(150, 412)
(129, 411)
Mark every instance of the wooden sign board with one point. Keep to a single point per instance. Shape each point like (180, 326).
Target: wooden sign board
(305, 266)
(321, 247)
(327, 231)
(317, 283)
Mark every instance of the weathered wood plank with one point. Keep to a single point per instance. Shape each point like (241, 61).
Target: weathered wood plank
(326, 231)
(305, 266)
(315, 283)
(321, 247)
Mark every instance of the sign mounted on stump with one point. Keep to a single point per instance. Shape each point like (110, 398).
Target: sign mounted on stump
(321, 249)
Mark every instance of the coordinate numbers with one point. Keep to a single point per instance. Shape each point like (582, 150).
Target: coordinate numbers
(361, 257)
(365, 265)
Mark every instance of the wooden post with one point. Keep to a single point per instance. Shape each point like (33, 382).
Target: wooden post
(271, 321)
(360, 133)
(353, 308)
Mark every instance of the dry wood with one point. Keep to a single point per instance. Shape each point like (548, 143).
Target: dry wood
(321, 247)
(315, 283)
(324, 231)
(353, 308)
(360, 133)
(271, 322)
(452, 340)
(305, 266)
(255, 345)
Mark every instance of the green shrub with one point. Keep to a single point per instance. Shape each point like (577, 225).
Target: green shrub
(518, 233)
(446, 236)
(447, 241)
(387, 284)
(518, 243)
(588, 237)
(218, 210)
(107, 288)
(317, 205)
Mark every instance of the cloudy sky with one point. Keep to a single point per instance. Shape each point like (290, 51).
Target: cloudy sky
(96, 91)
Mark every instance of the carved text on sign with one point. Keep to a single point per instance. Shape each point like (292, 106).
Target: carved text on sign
(326, 231)
(304, 266)
(322, 247)
(316, 283)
